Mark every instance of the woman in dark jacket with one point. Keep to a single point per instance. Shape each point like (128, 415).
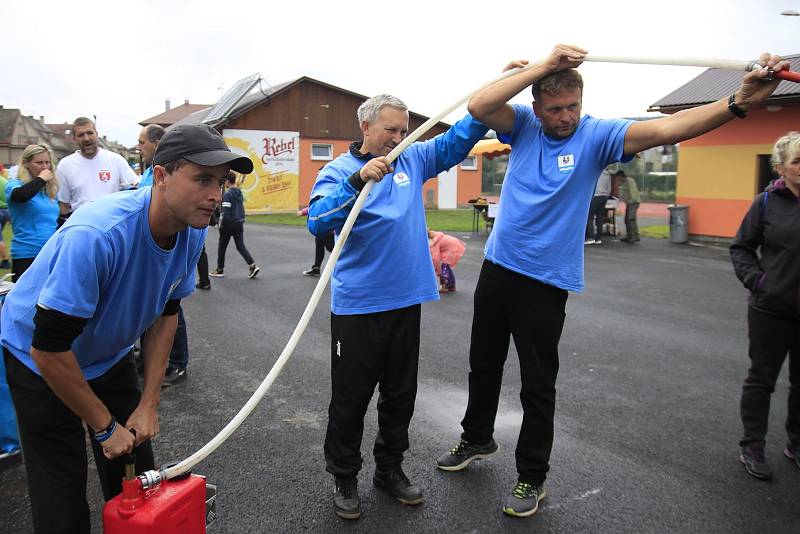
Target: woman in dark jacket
(766, 258)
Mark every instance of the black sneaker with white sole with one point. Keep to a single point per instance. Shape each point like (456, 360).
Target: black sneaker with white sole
(254, 270)
(346, 503)
(463, 454)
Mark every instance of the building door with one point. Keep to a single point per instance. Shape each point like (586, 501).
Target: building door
(448, 189)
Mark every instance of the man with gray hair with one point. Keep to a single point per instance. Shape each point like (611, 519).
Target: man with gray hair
(383, 275)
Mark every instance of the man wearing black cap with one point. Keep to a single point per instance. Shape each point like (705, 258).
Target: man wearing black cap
(69, 325)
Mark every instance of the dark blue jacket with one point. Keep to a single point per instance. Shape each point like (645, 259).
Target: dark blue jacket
(233, 206)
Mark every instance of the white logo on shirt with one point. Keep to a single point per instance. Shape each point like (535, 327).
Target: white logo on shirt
(566, 163)
(402, 180)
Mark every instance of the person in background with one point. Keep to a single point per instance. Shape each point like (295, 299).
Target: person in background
(597, 209)
(629, 192)
(33, 206)
(149, 138)
(766, 259)
(446, 251)
(91, 172)
(176, 372)
(321, 243)
(4, 218)
(232, 225)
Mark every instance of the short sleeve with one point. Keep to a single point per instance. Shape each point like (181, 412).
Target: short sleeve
(79, 269)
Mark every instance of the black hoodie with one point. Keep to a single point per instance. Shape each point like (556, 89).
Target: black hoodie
(766, 251)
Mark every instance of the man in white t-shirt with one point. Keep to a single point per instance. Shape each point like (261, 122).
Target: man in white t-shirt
(90, 172)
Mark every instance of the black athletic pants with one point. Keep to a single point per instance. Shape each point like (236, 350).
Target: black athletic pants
(367, 350)
(53, 442)
(511, 304)
(236, 231)
(320, 244)
(202, 268)
(772, 337)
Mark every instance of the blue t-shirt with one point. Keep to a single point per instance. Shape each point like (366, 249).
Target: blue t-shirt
(102, 265)
(147, 178)
(386, 262)
(33, 221)
(547, 190)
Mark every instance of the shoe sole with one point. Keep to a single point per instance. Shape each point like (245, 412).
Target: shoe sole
(514, 513)
(216, 275)
(753, 474)
(385, 487)
(466, 462)
(347, 515)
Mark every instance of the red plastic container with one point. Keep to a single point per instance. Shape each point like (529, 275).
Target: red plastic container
(173, 507)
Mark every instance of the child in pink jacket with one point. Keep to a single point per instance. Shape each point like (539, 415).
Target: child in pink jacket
(446, 250)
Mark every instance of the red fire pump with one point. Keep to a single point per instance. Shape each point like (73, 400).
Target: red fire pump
(149, 503)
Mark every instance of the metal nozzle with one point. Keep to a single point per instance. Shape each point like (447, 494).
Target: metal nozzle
(150, 479)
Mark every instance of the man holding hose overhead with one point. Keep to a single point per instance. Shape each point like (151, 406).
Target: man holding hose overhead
(534, 254)
(383, 275)
(69, 325)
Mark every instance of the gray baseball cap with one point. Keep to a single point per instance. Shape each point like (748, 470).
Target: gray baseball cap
(200, 144)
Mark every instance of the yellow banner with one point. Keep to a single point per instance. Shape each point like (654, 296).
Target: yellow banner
(274, 184)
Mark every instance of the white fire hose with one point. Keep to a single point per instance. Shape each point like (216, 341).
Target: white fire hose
(244, 412)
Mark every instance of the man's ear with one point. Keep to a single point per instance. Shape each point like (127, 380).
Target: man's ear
(159, 174)
(364, 127)
(535, 109)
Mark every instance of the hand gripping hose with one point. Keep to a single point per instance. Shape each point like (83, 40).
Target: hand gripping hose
(244, 412)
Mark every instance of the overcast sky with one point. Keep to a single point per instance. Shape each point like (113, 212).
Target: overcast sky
(119, 61)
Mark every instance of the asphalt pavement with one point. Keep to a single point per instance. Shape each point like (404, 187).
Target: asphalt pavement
(652, 359)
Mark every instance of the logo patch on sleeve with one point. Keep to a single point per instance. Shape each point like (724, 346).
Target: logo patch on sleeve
(401, 179)
(566, 163)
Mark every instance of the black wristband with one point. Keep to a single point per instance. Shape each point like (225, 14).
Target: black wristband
(733, 108)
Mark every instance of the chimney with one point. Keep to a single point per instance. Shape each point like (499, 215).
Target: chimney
(186, 100)
(166, 105)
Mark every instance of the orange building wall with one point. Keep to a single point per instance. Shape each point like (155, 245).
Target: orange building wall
(310, 167)
(718, 171)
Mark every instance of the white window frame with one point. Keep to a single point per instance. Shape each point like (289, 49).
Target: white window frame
(327, 157)
(470, 166)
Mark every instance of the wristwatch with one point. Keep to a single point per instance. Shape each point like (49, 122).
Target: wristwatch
(733, 108)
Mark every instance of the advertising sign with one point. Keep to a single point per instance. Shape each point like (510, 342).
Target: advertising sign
(275, 181)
